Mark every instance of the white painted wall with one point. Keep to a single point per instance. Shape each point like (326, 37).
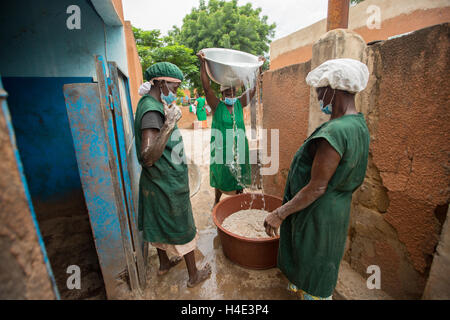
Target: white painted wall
(358, 17)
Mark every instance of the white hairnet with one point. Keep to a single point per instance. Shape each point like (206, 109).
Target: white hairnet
(145, 88)
(343, 74)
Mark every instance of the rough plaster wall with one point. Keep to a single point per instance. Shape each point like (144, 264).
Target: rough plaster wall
(286, 108)
(23, 274)
(397, 213)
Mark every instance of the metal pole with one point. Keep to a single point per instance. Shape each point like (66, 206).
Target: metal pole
(338, 14)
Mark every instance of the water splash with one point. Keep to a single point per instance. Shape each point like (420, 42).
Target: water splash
(248, 76)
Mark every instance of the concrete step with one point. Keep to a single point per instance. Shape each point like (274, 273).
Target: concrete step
(352, 286)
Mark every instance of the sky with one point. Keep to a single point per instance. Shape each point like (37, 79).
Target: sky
(289, 15)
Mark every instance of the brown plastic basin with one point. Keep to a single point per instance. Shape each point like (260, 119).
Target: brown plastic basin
(257, 254)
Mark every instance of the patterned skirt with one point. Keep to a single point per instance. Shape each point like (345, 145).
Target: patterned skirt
(302, 295)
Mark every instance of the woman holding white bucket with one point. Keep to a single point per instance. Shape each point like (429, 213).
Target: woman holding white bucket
(229, 177)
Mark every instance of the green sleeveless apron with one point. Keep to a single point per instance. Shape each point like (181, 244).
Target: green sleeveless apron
(165, 212)
(312, 241)
(229, 172)
(201, 110)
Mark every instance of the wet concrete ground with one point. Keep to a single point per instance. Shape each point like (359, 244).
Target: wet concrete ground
(228, 281)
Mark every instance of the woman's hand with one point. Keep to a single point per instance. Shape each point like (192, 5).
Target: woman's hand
(173, 115)
(261, 58)
(201, 56)
(272, 224)
(211, 98)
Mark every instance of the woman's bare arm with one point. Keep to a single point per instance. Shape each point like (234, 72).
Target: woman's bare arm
(247, 97)
(154, 141)
(326, 161)
(211, 98)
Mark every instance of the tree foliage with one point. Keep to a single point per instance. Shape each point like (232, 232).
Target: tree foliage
(153, 48)
(354, 2)
(225, 24)
(218, 24)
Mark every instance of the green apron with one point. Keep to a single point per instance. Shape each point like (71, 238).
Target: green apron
(201, 110)
(312, 241)
(165, 212)
(231, 170)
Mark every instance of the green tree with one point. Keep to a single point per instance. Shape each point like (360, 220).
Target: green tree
(153, 48)
(181, 56)
(146, 41)
(355, 2)
(224, 24)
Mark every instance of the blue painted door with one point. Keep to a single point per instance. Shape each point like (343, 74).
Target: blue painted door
(130, 168)
(99, 139)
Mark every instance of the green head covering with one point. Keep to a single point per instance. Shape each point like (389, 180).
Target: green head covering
(163, 70)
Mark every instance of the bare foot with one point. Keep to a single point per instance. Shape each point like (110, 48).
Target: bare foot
(202, 275)
(173, 263)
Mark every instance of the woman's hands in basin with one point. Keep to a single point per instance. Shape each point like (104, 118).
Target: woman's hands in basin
(272, 224)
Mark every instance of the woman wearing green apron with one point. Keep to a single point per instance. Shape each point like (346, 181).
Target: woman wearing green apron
(230, 170)
(325, 172)
(200, 103)
(165, 212)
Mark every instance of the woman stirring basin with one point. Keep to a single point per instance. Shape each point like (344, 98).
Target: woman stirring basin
(324, 173)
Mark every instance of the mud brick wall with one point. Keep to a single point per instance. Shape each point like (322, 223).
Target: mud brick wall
(187, 119)
(398, 213)
(285, 108)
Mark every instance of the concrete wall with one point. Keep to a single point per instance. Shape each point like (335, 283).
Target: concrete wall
(42, 56)
(134, 65)
(285, 108)
(398, 212)
(119, 9)
(42, 129)
(41, 45)
(398, 17)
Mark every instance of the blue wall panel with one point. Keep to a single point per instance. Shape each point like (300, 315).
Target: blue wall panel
(44, 139)
(104, 203)
(39, 44)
